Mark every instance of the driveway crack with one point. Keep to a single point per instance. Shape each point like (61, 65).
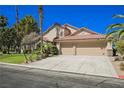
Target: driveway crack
(100, 82)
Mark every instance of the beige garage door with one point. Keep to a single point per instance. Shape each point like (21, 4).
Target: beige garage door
(89, 48)
(67, 49)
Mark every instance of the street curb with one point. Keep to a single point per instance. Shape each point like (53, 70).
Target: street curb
(32, 67)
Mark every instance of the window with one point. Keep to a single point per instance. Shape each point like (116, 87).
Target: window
(61, 33)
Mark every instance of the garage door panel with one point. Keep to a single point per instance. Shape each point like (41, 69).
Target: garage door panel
(67, 49)
(89, 48)
(89, 51)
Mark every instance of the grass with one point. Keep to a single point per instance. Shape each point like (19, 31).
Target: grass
(14, 58)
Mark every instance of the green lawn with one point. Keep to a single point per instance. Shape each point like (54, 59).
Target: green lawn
(14, 58)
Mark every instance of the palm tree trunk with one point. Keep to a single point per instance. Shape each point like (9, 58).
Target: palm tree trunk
(17, 15)
(17, 22)
(8, 49)
(41, 24)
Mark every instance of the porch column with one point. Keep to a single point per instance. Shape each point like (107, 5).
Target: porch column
(74, 49)
(109, 48)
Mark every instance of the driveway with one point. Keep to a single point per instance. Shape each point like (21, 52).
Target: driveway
(92, 65)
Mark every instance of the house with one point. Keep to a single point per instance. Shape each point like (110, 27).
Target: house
(71, 40)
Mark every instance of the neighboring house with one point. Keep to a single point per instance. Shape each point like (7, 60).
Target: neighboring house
(78, 41)
(31, 42)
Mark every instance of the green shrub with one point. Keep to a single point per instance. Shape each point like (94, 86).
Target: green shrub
(4, 52)
(120, 46)
(49, 49)
(27, 51)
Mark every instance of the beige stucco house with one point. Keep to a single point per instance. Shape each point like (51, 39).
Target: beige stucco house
(77, 41)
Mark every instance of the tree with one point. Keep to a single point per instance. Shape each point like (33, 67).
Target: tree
(24, 27)
(8, 39)
(30, 41)
(118, 26)
(40, 10)
(17, 15)
(3, 22)
(18, 39)
(28, 24)
(120, 47)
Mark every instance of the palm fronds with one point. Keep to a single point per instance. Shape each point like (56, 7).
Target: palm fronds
(118, 25)
(118, 16)
(117, 28)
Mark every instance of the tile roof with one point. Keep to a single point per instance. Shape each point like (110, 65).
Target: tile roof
(82, 37)
(84, 29)
(68, 25)
(72, 27)
(73, 34)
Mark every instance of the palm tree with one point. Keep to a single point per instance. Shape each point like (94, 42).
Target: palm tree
(41, 24)
(116, 33)
(28, 25)
(119, 26)
(17, 15)
(41, 17)
(3, 22)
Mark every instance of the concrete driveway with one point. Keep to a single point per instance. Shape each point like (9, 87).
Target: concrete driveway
(92, 65)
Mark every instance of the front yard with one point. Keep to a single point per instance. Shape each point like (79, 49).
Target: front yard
(14, 58)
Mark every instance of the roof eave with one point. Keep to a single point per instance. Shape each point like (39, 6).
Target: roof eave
(79, 39)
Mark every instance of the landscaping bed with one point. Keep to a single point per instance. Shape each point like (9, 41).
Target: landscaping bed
(117, 66)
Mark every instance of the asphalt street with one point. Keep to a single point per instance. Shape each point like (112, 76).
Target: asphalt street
(13, 76)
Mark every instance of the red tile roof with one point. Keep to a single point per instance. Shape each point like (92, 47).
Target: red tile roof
(82, 37)
(67, 25)
(84, 29)
(70, 26)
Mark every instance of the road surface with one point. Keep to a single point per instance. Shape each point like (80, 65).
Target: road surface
(14, 76)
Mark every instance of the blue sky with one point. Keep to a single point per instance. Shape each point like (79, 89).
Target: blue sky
(96, 18)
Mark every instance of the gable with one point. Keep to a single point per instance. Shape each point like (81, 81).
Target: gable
(53, 32)
(52, 27)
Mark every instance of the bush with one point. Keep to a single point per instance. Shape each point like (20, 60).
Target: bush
(120, 46)
(28, 51)
(49, 49)
(4, 52)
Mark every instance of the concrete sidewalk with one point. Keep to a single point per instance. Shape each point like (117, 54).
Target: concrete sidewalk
(92, 65)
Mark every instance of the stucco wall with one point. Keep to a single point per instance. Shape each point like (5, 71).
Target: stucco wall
(53, 33)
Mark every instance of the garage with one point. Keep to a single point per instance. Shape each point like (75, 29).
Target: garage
(90, 48)
(83, 48)
(67, 49)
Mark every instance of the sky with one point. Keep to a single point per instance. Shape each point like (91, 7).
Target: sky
(95, 17)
